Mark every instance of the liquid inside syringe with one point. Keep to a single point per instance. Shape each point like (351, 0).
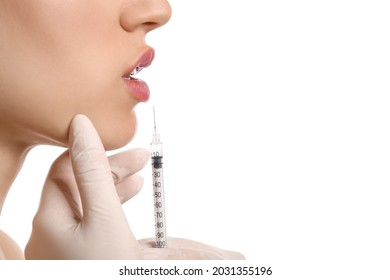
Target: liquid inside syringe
(158, 188)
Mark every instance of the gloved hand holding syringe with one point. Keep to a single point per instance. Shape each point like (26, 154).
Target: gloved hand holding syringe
(158, 187)
(80, 215)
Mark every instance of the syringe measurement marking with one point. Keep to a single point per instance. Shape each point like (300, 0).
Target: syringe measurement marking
(158, 200)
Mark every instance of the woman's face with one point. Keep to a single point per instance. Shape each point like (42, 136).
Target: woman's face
(60, 58)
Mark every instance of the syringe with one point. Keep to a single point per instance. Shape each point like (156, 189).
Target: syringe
(158, 187)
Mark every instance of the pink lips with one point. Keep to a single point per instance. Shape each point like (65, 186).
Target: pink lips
(138, 88)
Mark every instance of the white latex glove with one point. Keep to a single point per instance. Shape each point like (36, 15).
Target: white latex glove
(80, 214)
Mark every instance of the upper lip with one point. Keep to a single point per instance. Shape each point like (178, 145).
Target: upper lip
(144, 61)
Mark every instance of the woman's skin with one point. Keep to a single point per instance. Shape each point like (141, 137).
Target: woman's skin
(59, 59)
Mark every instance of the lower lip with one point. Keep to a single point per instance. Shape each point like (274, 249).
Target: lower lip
(138, 88)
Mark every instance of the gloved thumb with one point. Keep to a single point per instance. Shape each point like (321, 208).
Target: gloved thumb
(92, 172)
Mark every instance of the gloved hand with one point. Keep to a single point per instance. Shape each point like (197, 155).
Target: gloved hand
(185, 249)
(80, 214)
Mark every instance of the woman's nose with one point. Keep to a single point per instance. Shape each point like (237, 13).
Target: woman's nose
(146, 14)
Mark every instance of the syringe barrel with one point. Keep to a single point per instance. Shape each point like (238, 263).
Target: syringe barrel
(158, 194)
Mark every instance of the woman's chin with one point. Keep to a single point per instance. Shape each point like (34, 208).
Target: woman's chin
(116, 141)
(117, 136)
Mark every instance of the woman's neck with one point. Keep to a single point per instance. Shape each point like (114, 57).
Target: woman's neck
(12, 157)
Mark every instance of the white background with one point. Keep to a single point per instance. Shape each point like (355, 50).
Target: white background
(275, 121)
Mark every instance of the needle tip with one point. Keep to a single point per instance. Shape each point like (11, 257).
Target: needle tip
(154, 118)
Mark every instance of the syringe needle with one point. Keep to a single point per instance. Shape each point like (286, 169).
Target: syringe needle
(154, 118)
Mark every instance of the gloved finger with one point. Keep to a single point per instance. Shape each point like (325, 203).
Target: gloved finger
(129, 187)
(123, 166)
(127, 163)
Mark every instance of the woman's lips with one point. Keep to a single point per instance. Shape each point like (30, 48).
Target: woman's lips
(138, 88)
